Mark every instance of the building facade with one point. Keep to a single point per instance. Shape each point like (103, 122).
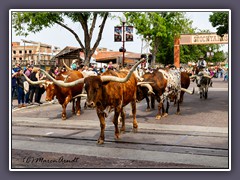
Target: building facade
(38, 54)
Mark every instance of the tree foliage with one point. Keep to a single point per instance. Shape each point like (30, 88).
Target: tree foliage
(161, 28)
(34, 22)
(220, 21)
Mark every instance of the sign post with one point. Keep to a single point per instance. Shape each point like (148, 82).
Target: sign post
(120, 35)
(194, 39)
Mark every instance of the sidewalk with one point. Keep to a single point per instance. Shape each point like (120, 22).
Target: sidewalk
(15, 102)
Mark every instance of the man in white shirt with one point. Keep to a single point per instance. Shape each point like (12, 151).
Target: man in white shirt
(201, 62)
(202, 65)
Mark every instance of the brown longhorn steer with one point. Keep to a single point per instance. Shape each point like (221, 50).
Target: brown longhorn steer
(111, 89)
(63, 94)
(165, 86)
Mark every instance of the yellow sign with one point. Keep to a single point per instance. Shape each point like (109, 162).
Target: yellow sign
(203, 39)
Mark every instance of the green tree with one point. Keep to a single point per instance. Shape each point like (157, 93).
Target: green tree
(160, 28)
(220, 21)
(25, 22)
(150, 25)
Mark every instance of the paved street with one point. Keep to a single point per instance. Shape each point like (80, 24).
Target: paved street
(198, 138)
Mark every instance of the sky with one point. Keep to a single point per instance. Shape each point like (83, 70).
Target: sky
(60, 37)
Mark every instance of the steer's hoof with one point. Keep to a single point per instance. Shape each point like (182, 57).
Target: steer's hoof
(158, 117)
(165, 115)
(100, 141)
(135, 130)
(78, 113)
(178, 113)
(117, 136)
(122, 130)
(148, 110)
(64, 117)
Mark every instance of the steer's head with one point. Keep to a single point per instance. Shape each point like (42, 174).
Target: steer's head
(94, 89)
(50, 90)
(199, 78)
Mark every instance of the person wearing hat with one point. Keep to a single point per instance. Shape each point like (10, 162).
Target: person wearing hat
(74, 64)
(202, 65)
(201, 62)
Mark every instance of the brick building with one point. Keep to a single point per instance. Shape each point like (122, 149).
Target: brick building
(36, 53)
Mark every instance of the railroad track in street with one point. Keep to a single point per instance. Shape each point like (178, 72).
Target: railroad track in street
(190, 145)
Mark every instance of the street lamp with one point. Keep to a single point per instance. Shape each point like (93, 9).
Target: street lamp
(210, 53)
(123, 26)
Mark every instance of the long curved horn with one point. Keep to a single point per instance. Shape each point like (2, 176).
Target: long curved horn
(34, 82)
(147, 85)
(188, 91)
(79, 95)
(193, 76)
(61, 83)
(207, 76)
(68, 68)
(121, 80)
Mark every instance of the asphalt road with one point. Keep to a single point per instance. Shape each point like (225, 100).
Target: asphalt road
(198, 138)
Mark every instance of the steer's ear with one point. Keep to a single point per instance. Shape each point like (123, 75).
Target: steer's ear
(105, 83)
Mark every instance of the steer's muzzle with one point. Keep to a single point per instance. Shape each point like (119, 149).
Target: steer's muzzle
(198, 85)
(48, 99)
(90, 104)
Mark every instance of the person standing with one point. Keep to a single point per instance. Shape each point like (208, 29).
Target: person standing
(110, 65)
(40, 89)
(56, 70)
(14, 83)
(28, 73)
(34, 88)
(51, 72)
(74, 64)
(20, 88)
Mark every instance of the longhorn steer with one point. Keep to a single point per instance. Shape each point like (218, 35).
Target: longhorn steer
(203, 81)
(63, 94)
(166, 86)
(111, 89)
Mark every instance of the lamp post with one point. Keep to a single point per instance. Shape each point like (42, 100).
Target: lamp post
(123, 27)
(210, 53)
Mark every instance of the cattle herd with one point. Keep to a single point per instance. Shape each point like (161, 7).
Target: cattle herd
(113, 90)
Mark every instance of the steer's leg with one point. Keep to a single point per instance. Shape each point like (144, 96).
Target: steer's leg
(117, 110)
(101, 114)
(152, 102)
(123, 116)
(167, 108)
(160, 107)
(148, 102)
(206, 92)
(178, 102)
(134, 110)
(78, 107)
(73, 106)
(64, 106)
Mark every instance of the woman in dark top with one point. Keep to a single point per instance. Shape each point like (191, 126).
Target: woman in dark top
(20, 88)
(34, 89)
(51, 72)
